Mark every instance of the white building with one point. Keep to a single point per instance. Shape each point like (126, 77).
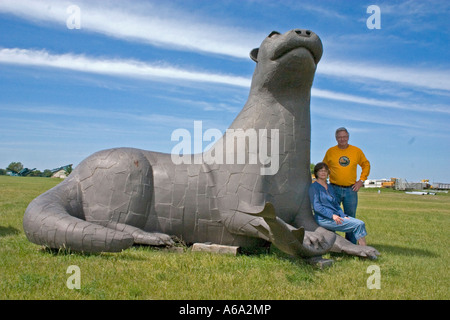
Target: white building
(374, 183)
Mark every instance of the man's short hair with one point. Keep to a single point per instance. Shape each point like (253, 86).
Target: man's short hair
(339, 130)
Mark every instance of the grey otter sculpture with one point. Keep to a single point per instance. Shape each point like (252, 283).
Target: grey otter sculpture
(122, 196)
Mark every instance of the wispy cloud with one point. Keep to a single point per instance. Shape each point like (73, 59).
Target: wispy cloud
(89, 113)
(385, 118)
(114, 67)
(162, 72)
(411, 77)
(142, 22)
(331, 95)
(415, 15)
(156, 25)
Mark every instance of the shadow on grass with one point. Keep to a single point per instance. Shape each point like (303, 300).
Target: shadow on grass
(389, 249)
(65, 252)
(6, 231)
(103, 255)
(397, 250)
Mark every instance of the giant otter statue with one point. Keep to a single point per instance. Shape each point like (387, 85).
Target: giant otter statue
(118, 197)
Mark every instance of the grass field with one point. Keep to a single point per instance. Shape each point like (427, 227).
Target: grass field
(410, 231)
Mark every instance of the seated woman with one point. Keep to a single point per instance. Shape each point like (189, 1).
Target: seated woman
(327, 212)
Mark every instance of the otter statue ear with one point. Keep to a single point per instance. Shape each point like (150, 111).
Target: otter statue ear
(254, 54)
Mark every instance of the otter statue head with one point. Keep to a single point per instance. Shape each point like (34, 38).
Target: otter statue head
(286, 62)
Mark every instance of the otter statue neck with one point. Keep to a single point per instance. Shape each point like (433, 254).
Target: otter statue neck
(277, 108)
(287, 111)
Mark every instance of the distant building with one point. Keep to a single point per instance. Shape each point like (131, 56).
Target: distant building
(441, 186)
(403, 184)
(60, 174)
(378, 183)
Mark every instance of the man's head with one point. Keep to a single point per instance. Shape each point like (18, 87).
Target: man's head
(342, 137)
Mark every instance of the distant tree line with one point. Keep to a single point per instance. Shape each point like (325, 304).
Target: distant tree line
(16, 167)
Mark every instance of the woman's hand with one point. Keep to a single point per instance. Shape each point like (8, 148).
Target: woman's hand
(337, 219)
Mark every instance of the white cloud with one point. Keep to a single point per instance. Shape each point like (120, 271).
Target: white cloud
(365, 116)
(157, 25)
(331, 95)
(411, 77)
(155, 72)
(141, 22)
(115, 67)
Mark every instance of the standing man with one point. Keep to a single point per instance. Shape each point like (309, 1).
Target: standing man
(343, 160)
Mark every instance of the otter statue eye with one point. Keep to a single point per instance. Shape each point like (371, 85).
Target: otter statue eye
(273, 33)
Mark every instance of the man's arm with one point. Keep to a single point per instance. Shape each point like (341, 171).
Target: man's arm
(365, 166)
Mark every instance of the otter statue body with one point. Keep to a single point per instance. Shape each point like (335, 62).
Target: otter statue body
(119, 197)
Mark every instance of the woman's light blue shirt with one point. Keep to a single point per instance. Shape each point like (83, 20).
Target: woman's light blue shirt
(324, 201)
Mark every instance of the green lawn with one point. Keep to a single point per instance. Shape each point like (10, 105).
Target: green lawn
(410, 231)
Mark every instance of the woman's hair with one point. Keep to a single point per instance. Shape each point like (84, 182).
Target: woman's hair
(319, 166)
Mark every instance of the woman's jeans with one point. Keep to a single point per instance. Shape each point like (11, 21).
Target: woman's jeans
(349, 200)
(352, 226)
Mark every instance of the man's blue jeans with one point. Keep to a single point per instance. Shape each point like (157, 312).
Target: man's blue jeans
(349, 200)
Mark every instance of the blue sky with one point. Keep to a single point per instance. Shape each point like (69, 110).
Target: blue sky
(137, 70)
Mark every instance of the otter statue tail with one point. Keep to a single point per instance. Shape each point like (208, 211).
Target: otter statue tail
(50, 221)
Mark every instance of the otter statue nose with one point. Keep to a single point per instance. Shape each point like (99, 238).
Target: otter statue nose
(303, 33)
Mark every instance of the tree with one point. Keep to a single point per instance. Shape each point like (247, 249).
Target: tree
(15, 166)
(311, 168)
(35, 173)
(68, 170)
(47, 173)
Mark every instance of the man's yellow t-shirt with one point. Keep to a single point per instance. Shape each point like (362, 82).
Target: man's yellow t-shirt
(343, 164)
